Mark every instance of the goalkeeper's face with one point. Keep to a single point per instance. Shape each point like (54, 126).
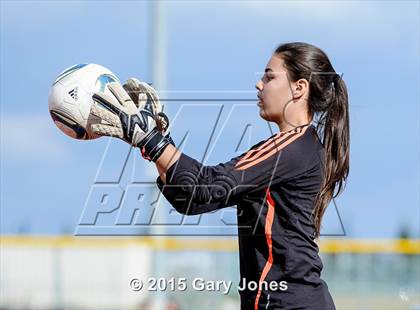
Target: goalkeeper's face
(275, 92)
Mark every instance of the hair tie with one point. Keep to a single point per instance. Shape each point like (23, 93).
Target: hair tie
(336, 78)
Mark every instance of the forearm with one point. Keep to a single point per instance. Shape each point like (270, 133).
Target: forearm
(192, 188)
(169, 156)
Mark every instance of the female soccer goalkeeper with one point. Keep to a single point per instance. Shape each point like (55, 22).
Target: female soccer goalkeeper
(281, 186)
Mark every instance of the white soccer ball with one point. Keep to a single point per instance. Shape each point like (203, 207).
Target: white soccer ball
(70, 98)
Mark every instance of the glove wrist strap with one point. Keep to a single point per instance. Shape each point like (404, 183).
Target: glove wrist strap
(153, 145)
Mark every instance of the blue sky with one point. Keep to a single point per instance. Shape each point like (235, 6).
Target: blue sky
(214, 49)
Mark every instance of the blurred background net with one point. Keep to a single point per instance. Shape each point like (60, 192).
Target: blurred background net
(95, 273)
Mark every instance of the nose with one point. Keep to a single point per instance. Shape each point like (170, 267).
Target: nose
(259, 85)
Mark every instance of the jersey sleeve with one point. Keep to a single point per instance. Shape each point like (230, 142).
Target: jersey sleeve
(194, 188)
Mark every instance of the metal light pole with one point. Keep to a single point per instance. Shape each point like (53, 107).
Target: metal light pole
(158, 74)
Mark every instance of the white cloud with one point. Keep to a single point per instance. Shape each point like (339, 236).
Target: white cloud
(31, 137)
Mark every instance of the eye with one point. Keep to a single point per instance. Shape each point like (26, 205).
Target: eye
(269, 77)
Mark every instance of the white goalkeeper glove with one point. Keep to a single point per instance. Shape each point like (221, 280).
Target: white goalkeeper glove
(141, 124)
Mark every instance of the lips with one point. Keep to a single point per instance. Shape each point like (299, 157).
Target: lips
(260, 101)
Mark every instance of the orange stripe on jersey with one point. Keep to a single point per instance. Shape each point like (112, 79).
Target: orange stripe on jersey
(251, 152)
(270, 150)
(276, 142)
(268, 224)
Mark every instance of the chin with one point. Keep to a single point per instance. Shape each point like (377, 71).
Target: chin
(262, 114)
(265, 116)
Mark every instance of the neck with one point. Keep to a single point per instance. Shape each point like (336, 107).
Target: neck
(292, 124)
(297, 114)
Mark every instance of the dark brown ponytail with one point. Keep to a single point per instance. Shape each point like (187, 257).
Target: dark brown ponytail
(328, 104)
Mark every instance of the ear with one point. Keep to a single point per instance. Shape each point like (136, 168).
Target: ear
(300, 88)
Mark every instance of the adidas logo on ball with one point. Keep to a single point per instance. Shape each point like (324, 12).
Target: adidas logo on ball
(73, 93)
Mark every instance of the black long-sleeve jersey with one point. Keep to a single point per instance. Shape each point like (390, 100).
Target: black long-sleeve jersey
(273, 185)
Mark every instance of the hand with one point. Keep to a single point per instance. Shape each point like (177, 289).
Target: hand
(136, 90)
(137, 124)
